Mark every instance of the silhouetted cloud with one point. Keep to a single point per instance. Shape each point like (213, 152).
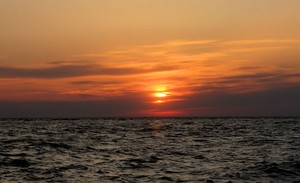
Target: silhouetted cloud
(282, 101)
(64, 71)
(209, 77)
(89, 82)
(117, 106)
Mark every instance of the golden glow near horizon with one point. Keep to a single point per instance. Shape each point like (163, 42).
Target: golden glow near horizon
(172, 53)
(161, 93)
(159, 101)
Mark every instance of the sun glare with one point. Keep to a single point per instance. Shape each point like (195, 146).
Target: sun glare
(161, 88)
(160, 94)
(159, 101)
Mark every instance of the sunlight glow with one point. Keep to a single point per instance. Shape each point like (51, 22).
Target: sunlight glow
(160, 94)
(161, 88)
(159, 101)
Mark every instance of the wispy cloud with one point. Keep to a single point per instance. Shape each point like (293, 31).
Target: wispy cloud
(73, 70)
(200, 75)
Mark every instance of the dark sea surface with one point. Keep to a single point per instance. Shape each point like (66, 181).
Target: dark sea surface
(150, 150)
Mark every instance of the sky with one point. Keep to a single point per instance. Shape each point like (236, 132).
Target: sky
(109, 58)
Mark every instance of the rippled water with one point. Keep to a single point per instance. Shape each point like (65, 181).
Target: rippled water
(150, 150)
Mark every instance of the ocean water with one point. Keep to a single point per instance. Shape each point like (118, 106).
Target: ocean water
(150, 150)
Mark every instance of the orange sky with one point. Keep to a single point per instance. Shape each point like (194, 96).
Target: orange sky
(149, 57)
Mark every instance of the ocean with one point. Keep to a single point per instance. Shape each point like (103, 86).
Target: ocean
(209, 150)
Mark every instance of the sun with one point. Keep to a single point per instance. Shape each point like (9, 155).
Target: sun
(161, 94)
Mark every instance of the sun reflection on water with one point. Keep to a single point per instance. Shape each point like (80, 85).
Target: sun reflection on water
(158, 127)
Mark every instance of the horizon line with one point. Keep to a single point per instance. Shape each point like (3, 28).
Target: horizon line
(141, 117)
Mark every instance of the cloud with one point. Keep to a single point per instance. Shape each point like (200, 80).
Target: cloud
(282, 101)
(279, 100)
(72, 70)
(209, 77)
(117, 106)
(92, 82)
(186, 66)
